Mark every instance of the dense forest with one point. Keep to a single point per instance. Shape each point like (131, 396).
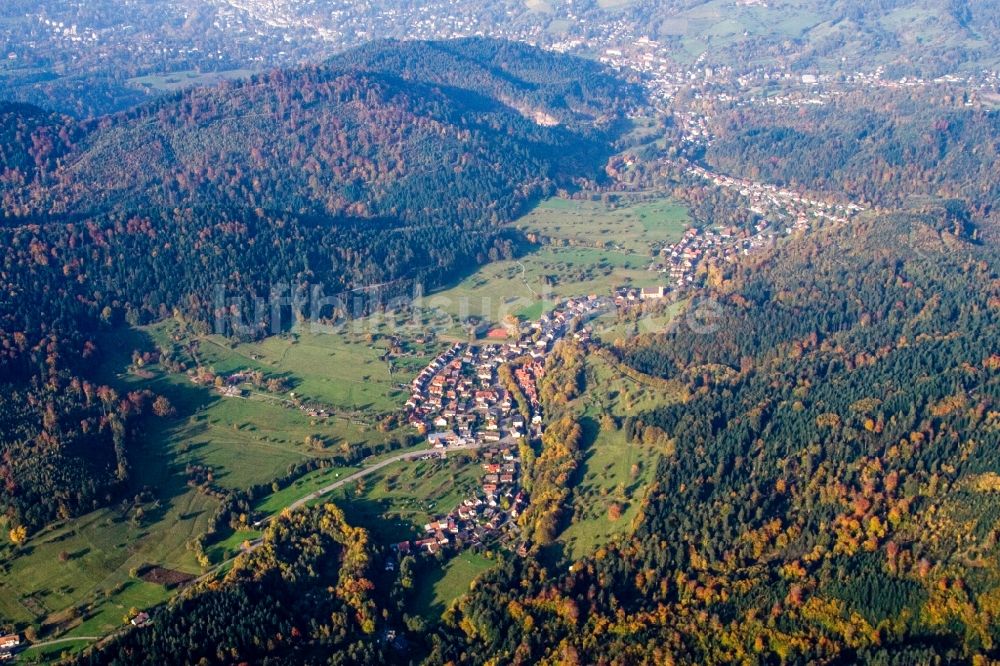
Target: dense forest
(827, 493)
(305, 184)
(31, 140)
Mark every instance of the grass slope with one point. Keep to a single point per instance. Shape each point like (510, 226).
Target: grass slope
(440, 587)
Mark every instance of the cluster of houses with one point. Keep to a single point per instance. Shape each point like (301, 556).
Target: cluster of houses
(527, 377)
(779, 203)
(682, 260)
(488, 516)
(779, 212)
(460, 402)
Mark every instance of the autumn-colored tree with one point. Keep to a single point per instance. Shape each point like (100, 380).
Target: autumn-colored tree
(19, 535)
(162, 407)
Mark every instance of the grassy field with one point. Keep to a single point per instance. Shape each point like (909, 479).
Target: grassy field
(74, 577)
(614, 4)
(245, 440)
(526, 286)
(85, 564)
(540, 6)
(442, 585)
(630, 226)
(592, 247)
(187, 79)
(615, 473)
(717, 24)
(608, 329)
(341, 369)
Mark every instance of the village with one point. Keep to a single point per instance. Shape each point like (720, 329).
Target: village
(779, 212)
(465, 399)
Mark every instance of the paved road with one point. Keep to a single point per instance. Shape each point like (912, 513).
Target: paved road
(409, 455)
(325, 490)
(56, 641)
(316, 494)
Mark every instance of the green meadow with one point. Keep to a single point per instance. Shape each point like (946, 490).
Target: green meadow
(629, 225)
(438, 587)
(173, 81)
(591, 247)
(75, 578)
(615, 473)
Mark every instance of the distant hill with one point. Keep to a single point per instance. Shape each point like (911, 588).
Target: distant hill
(531, 81)
(927, 37)
(874, 148)
(88, 59)
(368, 134)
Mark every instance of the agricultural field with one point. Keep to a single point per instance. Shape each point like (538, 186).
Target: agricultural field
(254, 438)
(345, 368)
(717, 24)
(527, 286)
(76, 577)
(86, 564)
(590, 247)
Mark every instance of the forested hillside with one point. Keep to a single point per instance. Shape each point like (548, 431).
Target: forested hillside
(314, 177)
(303, 597)
(829, 491)
(879, 149)
(533, 82)
(31, 140)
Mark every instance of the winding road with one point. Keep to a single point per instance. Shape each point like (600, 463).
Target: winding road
(316, 494)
